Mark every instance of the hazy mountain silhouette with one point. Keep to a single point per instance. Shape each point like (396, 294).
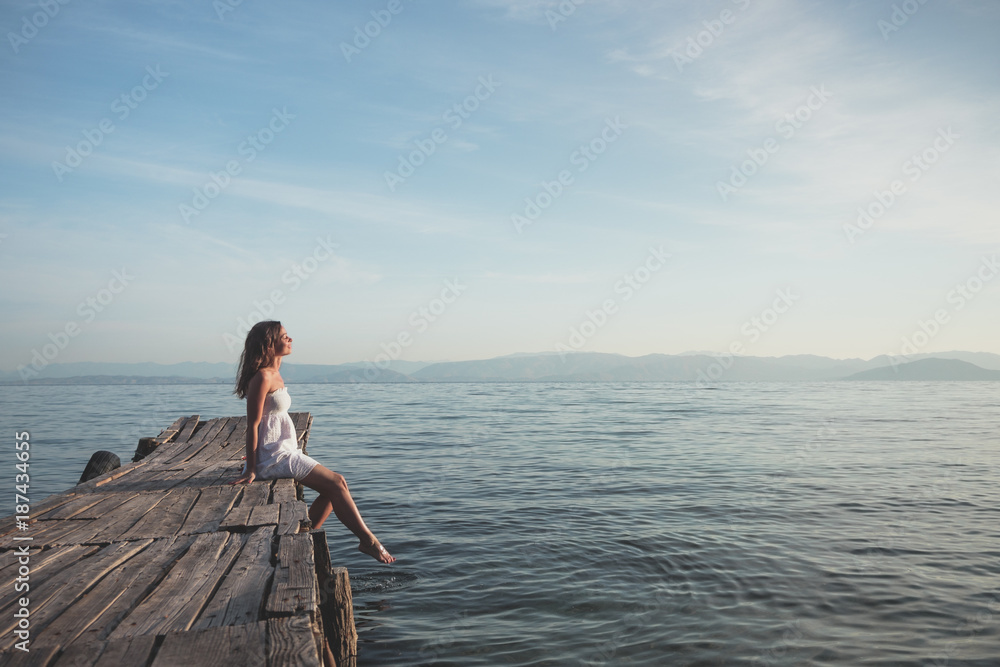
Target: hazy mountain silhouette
(554, 367)
(929, 370)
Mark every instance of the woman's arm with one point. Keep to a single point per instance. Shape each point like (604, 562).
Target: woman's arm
(256, 393)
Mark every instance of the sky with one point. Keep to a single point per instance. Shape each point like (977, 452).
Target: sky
(476, 178)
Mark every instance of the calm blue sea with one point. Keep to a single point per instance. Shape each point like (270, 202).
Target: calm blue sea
(630, 524)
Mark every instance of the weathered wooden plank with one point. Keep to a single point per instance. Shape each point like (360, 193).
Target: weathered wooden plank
(227, 472)
(284, 491)
(304, 440)
(52, 594)
(117, 653)
(111, 527)
(286, 600)
(75, 506)
(151, 480)
(291, 642)
(190, 426)
(216, 443)
(336, 603)
(241, 595)
(9, 560)
(80, 655)
(183, 452)
(103, 607)
(239, 434)
(233, 452)
(258, 493)
(38, 654)
(129, 651)
(340, 629)
(228, 646)
(43, 565)
(295, 589)
(43, 532)
(204, 474)
(171, 431)
(295, 554)
(106, 606)
(208, 432)
(51, 503)
(149, 447)
(185, 444)
(262, 515)
(237, 517)
(209, 510)
(300, 420)
(179, 598)
(107, 503)
(164, 520)
(294, 518)
(127, 469)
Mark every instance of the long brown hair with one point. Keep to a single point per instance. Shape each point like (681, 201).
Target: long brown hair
(258, 352)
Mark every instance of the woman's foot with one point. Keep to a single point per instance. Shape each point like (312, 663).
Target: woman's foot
(375, 549)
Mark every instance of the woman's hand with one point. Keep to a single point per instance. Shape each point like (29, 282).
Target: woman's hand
(247, 478)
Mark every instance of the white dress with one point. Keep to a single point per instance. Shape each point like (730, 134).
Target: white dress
(278, 453)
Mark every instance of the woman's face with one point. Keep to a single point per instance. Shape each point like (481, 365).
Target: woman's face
(283, 345)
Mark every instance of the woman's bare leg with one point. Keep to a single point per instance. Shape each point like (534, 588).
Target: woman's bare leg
(334, 496)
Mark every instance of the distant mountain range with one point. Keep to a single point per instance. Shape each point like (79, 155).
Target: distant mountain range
(552, 367)
(929, 369)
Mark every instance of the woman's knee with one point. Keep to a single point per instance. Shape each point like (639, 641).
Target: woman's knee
(339, 481)
(332, 483)
(325, 481)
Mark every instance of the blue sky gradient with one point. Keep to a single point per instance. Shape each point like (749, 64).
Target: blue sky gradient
(330, 126)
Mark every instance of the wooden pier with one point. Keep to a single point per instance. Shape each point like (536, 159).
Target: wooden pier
(162, 562)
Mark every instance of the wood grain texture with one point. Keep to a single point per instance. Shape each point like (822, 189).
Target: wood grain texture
(227, 646)
(164, 562)
(291, 642)
(240, 597)
(177, 601)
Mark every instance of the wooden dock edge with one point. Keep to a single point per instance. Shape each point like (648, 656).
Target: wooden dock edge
(336, 605)
(332, 629)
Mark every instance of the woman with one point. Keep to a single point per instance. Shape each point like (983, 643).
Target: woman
(272, 449)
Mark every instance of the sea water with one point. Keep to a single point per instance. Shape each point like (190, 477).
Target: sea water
(839, 523)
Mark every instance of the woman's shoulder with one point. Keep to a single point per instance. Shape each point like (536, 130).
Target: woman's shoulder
(268, 379)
